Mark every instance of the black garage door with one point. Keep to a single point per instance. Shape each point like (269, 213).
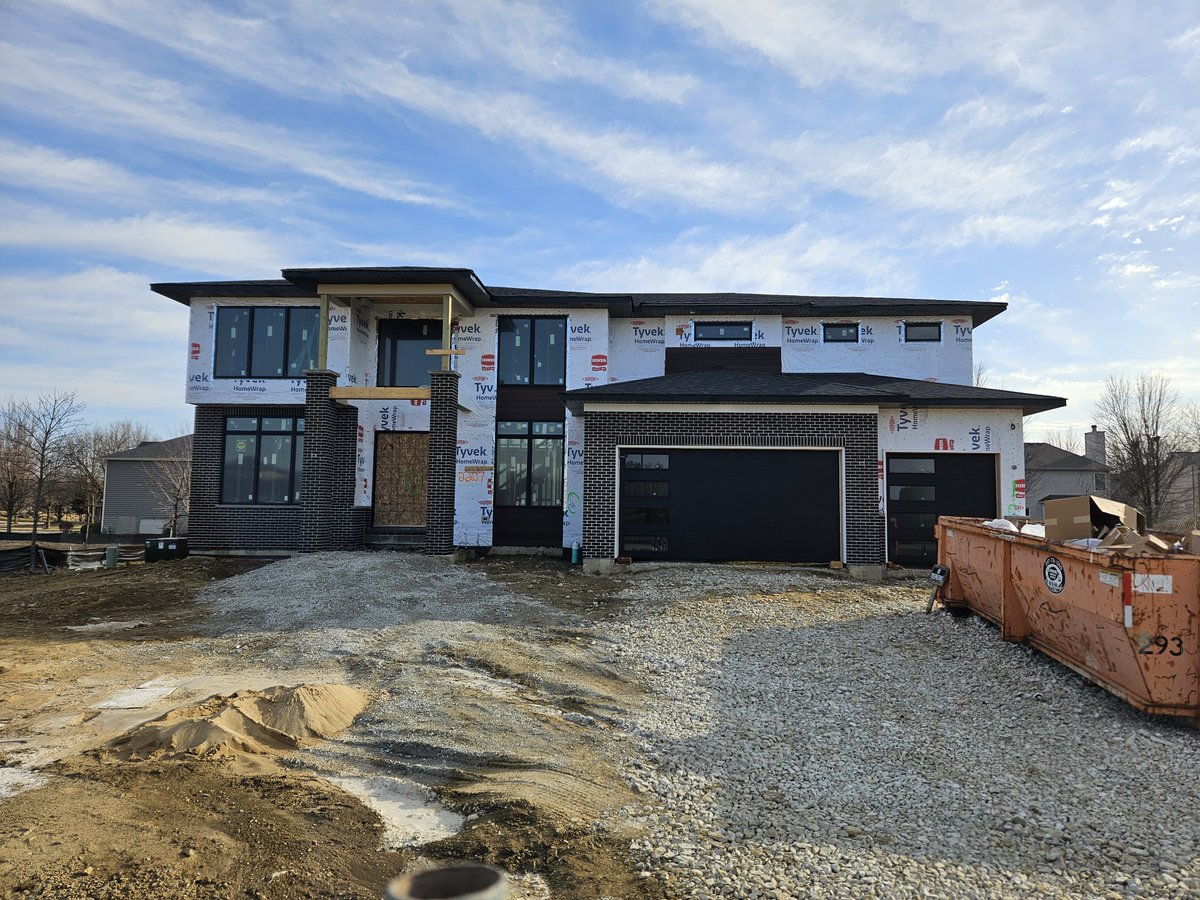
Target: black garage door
(780, 505)
(923, 486)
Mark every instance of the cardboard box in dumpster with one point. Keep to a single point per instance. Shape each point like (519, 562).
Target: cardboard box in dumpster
(1086, 517)
(1191, 543)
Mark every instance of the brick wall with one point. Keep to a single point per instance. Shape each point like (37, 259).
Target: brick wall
(443, 449)
(856, 433)
(326, 519)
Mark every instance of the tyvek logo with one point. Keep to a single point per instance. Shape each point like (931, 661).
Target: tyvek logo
(943, 444)
(487, 362)
(599, 362)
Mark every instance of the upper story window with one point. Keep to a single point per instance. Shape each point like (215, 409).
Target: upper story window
(402, 346)
(532, 351)
(840, 332)
(724, 331)
(265, 341)
(916, 332)
(264, 459)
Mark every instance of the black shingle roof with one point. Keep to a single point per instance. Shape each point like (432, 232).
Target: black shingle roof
(1049, 457)
(303, 283)
(173, 448)
(737, 386)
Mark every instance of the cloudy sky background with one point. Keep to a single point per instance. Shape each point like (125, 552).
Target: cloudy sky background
(1046, 155)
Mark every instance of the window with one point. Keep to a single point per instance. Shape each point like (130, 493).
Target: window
(724, 331)
(646, 515)
(647, 461)
(532, 351)
(910, 466)
(646, 488)
(648, 544)
(402, 346)
(917, 332)
(916, 492)
(264, 459)
(266, 341)
(840, 333)
(529, 464)
(1101, 483)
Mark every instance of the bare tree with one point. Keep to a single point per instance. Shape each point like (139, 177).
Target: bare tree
(15, 486)
(86, 452)
(42, 428)
(172, 478)
(1142, 416)
(981, 374)
(1065, 439)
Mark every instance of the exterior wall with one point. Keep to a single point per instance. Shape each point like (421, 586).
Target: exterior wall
(1041, 483)
(854, 432)
(1181, 510)
(214, 526)
(916, 430)
(440, 514)
(133, 499)
(331, 521)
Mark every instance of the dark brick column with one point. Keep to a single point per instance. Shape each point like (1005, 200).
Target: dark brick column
(443, 447)
(330, 521)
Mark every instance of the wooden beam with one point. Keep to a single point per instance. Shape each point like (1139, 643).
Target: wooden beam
(323, 334)
(352, 392)
(447, 327)
(456, 351)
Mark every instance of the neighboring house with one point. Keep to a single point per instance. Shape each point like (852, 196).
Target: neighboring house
(1181, 511)
(146, 488)
(650, 426)
(1052, 473)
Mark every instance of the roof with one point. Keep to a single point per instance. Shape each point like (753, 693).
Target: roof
(304, 282)
(175, 448)
(721, 385)
(1048, 457)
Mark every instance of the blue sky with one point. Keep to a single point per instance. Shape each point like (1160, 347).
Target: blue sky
(1044, 154)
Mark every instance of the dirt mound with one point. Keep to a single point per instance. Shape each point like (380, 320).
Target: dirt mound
(269, 721)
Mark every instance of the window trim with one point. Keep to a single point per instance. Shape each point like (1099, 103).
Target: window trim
(531, 361)
(748, 325)
(923, 340)
(297, 462)
(529, 436)
(287, 338)
(825, 326)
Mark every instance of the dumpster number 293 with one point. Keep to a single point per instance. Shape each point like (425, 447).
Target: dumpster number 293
(1159, 643)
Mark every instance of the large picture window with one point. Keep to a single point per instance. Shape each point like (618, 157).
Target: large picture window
(532, 351)
(529, 464)
(266, 341)
(402, 346)
(264, 459)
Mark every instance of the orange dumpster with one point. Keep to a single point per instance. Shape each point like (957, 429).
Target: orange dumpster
(1130, 623)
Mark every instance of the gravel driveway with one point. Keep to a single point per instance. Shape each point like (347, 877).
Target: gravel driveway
(837, 741)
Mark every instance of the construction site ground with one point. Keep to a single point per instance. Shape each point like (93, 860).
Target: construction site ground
(681, 730)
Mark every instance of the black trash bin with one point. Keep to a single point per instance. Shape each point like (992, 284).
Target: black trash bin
(158, 549)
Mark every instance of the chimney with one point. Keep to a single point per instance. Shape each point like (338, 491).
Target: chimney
(1093, 446)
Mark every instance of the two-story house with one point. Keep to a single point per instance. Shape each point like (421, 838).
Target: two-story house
(335, 403)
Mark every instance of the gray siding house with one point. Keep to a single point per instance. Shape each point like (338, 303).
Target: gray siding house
(146, 488)
(1052, 473)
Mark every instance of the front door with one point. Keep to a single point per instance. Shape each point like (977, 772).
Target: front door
(401, 467)
(923, 486)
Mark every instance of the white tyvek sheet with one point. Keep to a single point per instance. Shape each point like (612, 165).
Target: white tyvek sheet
(881, 349)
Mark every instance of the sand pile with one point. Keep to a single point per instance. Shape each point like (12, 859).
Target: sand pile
(269, 721)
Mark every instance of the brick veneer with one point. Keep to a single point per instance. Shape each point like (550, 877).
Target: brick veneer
(326, 519)
(854, 432)
(443, 450)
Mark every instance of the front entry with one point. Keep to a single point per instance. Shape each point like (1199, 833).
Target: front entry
(401, 469)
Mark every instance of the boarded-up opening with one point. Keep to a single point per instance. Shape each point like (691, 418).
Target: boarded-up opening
(401, 470)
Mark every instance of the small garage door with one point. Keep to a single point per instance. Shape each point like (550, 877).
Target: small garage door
(778, 505)
(922, 487)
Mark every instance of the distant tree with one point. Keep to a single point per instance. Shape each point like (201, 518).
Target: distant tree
(1065, 439)
(1143, 417)
(173, 480)
(86, 452)
(981, 374)
(42, 427)
(15, 485)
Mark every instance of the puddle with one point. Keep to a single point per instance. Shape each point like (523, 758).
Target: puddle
(13, 781)
(411, 814)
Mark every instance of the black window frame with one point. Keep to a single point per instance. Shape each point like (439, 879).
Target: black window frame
(825, 332)
(397, 341)
(219, 341)
(505, 325)
(697, 336)
(295, 469)
(529, 436)
(909, 339)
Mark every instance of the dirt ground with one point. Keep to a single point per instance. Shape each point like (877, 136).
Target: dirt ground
(197, 825)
